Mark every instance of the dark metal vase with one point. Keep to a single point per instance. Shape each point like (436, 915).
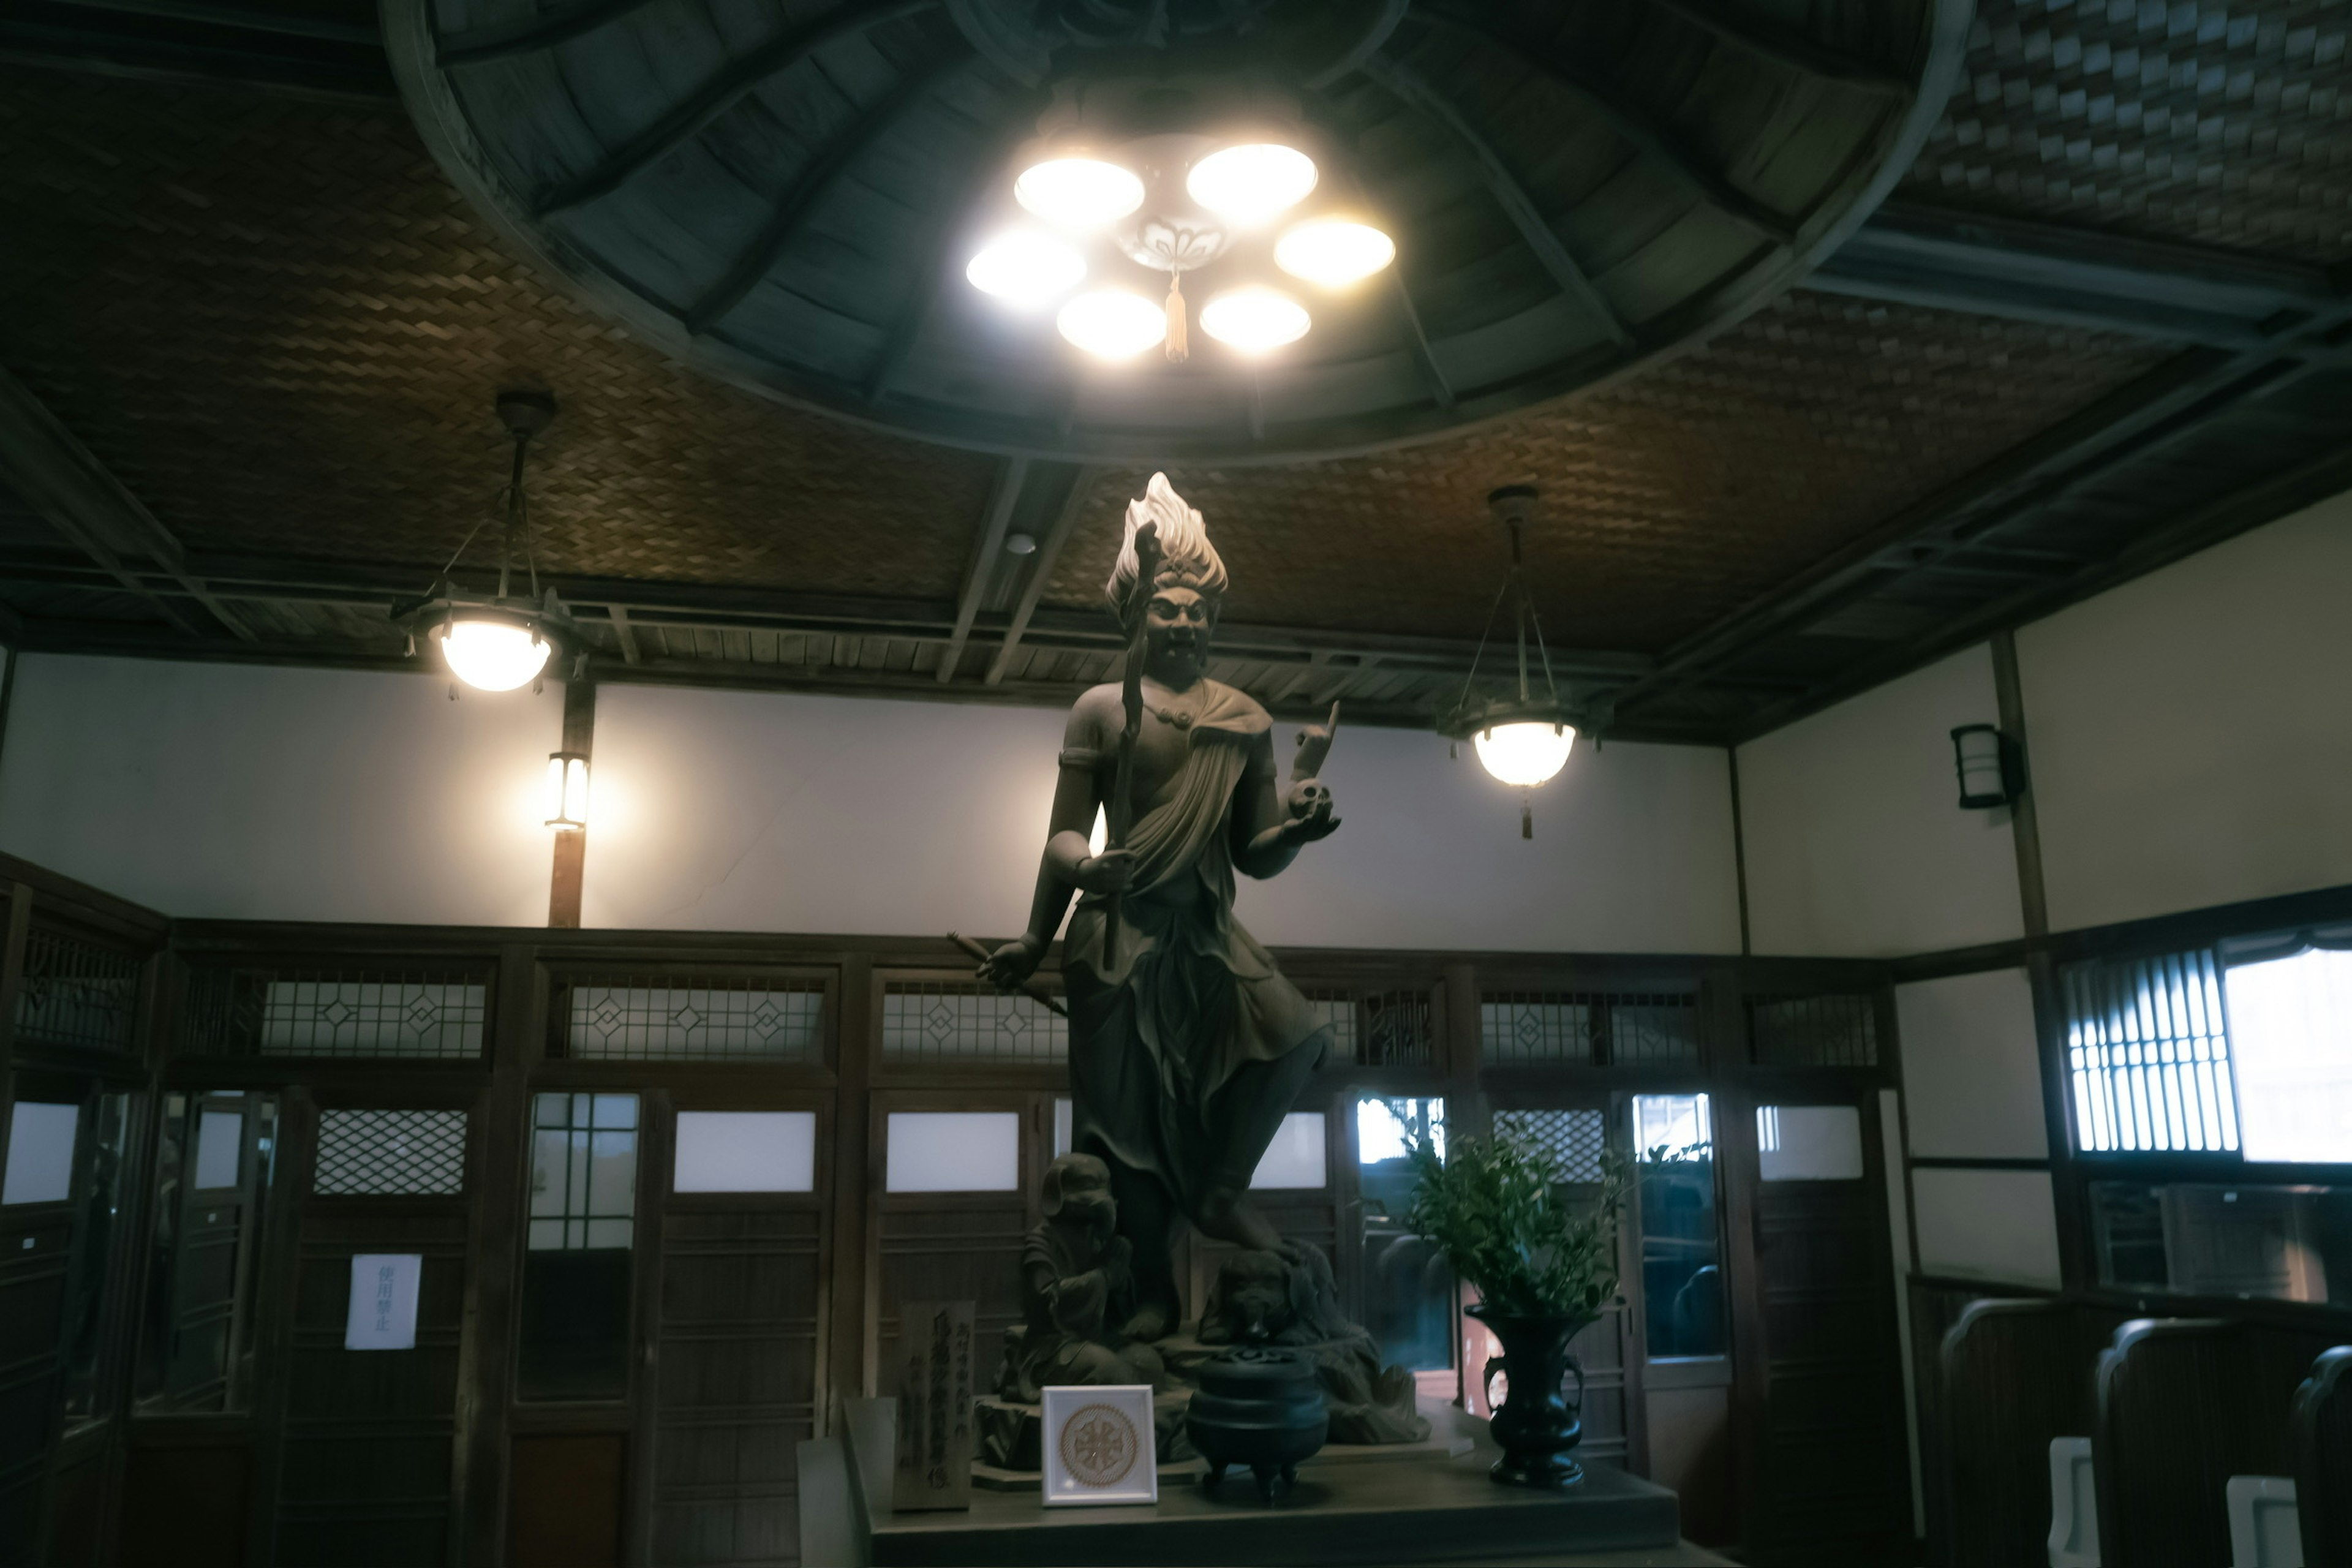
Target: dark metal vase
(1260, 1410)
(1537, 1426)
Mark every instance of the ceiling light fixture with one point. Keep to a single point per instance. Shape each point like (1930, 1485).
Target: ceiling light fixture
(1525, 740)
(1026, 268)
(502, 641)
(1111, 323)
(1333, 252)
(1250, 183)
(1123, 180)
(1078, 193)
(1254, 320)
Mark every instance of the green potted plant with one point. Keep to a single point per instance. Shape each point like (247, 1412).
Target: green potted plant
(1543, 1267)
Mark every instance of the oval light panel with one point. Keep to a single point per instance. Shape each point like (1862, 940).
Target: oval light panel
(1023, 269)
(1251, 183)
(1112, 324)
(1078, 193)
(1254, 321)
(1333, 252)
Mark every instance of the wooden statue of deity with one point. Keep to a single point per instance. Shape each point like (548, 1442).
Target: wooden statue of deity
(1187, 1045)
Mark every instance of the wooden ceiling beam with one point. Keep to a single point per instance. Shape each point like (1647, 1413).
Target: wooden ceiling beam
(2058, 276)
(1774, 41)
(2172, 404)
(988, 548)
(529, 34)
(724, 89)
(1634, 126)
(793, 208)
(66, 483)
(1407, 85)
(2170, 541)
(1041, 569)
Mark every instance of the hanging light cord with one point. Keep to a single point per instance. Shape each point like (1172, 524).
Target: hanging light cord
(1523, 617)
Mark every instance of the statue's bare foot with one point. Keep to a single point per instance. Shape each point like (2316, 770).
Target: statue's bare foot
(1230, 1216)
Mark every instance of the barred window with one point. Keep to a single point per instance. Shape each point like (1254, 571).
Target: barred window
(2148, 1054)
(964, 1021)
(431, 1014)
(694, 1018)
(75, 992)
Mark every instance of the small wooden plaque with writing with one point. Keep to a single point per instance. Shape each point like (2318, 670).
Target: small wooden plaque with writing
(935, 1396)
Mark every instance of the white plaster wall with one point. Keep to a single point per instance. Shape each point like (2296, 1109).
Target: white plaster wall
(1857, 846)
(2190, 733)
(770, 812)
(1971, 1068)
(238, 792)
(1987, 1224)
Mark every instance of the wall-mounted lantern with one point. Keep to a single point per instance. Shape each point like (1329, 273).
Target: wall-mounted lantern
(567, 791)
(1991, 770)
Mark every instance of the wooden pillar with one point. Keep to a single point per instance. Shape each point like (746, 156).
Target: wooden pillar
(848, 1312)
(12, 979)
(494, 1254)
(571, 845)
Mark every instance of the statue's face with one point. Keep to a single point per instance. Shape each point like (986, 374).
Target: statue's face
(1087, 1200)
(1176, 630)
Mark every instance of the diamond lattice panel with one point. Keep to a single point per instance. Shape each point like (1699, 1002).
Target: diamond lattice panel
(1574, 1139)
(419, 1154)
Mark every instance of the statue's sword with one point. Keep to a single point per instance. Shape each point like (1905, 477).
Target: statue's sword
(1118, 812)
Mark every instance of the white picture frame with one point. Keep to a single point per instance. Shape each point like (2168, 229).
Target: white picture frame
(1100, 1446)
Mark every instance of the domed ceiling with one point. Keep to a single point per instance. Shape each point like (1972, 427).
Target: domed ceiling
(787, 194)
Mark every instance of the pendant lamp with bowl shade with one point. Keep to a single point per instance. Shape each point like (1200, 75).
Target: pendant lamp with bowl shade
(501, 641)
(1522, 739)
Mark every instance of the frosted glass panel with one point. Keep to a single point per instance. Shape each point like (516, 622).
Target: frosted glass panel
(1809, 1143)
(40, 1152)
(953, 1151)
(2292, 1036)
(1295, 1158)
(746, 1151)
(220, 1135)
(1062, 1123)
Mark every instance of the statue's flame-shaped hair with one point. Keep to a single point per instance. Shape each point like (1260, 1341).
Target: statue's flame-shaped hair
(1187, 559)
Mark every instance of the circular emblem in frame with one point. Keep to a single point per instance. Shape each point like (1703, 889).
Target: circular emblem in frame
(1098, 1445)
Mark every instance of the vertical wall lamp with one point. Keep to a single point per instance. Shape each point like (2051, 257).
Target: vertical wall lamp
(567, 791)
(1991, 770)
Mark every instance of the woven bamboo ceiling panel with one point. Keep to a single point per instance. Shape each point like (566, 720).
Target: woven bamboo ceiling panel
(1667, 501)
(785, 193)
(2224, 123)
(281, 327)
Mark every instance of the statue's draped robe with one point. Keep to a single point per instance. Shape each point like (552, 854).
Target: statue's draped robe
(1188, 1051)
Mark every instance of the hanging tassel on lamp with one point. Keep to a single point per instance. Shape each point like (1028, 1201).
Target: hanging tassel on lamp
(1178, 349)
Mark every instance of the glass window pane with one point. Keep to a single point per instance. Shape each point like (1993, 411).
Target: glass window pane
(1295, 1158)
(1682, 1248)
(745, 1151)
(1408, 1290)
(2196, 1239)
(2290, 1037)
(1062, 1117)
(40, 1152)
(98, 1209)
(197, 1332)
(577, 1262)
(220, 1135)
(953, 1151)
(1809, 1143)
